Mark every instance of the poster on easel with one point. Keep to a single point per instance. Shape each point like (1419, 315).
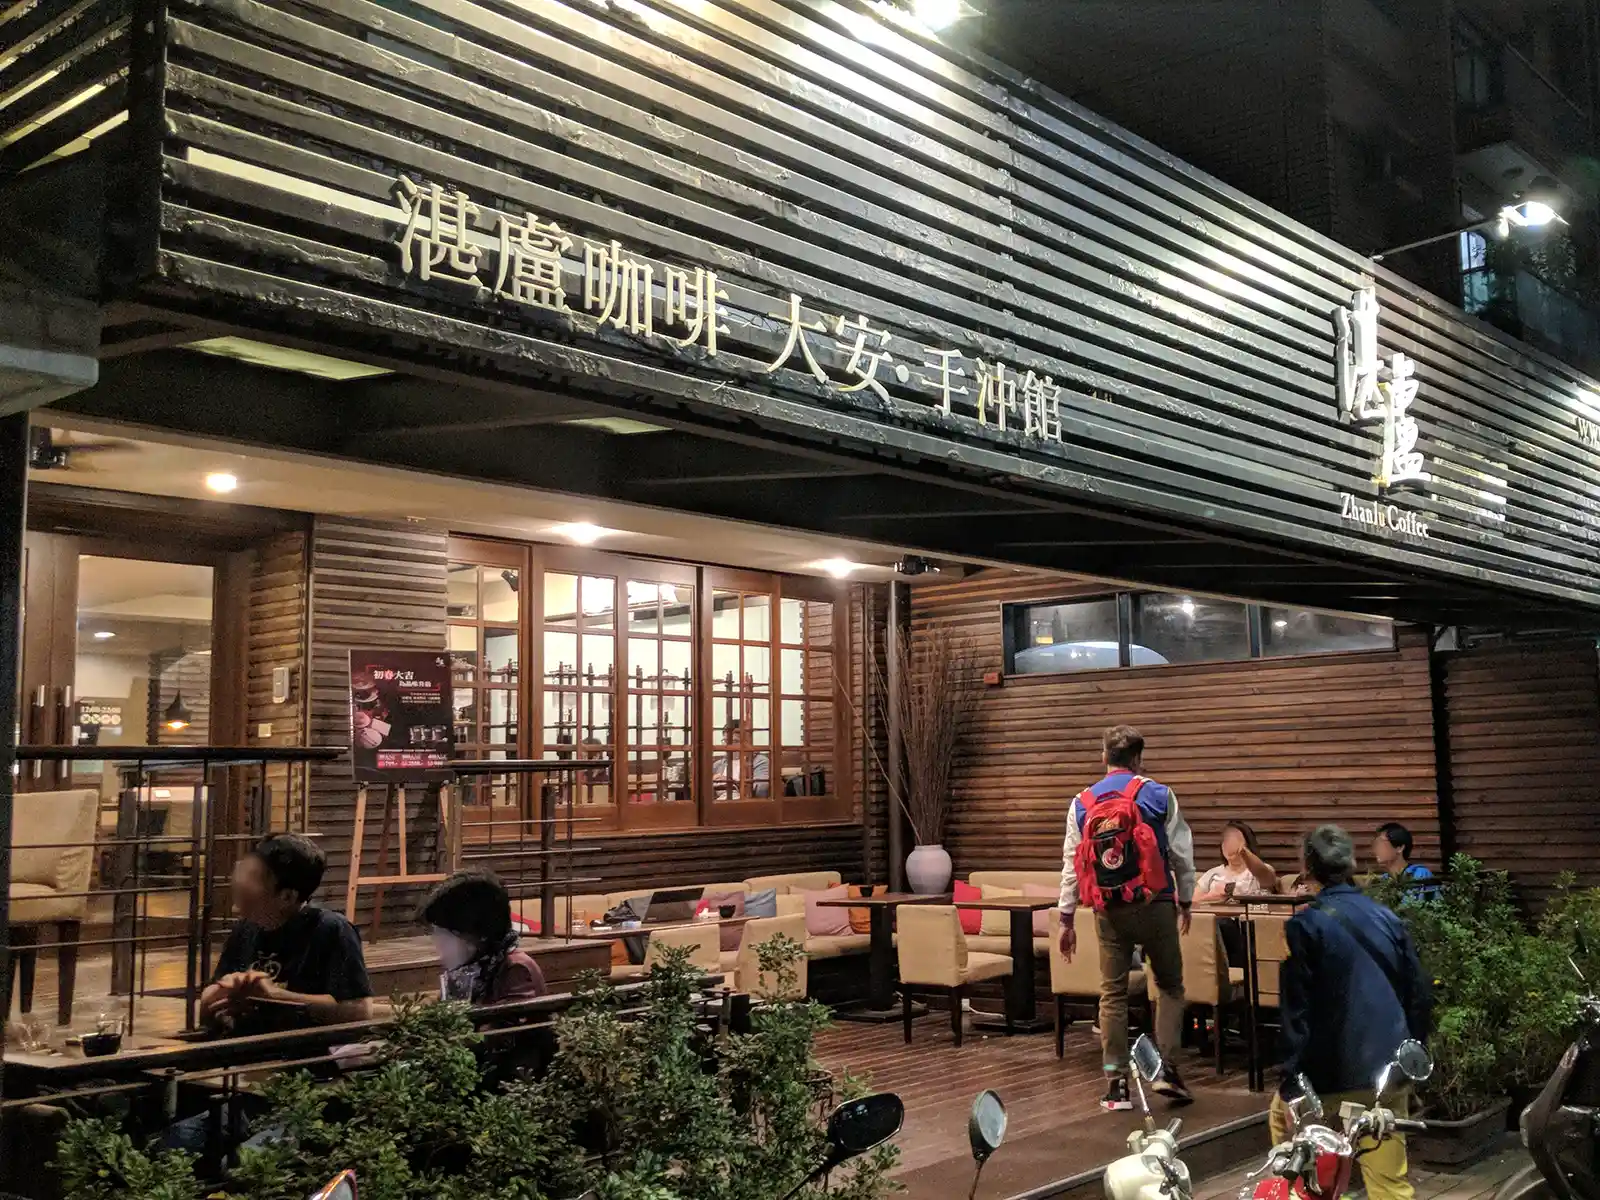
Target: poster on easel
(402, 729)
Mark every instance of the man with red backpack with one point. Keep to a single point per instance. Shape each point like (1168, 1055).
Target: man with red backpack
(1129, 856)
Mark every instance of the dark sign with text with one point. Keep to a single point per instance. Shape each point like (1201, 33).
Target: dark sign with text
(98, 719)
(401, 729)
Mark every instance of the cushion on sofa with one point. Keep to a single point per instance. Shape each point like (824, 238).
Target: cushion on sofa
(763, 903)
(786, 906)
(837, 947)
(971, 918)
(1015, 879)
(826, 922)
(996, 922)
(1041, 919)
(796, 881)
(861, 918)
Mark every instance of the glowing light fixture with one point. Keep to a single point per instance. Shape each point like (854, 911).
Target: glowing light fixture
(581, 533)
(103, 635)
(221, 482)
(1188, 607)
(1280, 623)
(839, 568)
(938, 15)
(177, 716)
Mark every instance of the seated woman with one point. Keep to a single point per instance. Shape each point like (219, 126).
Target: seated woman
(469, 916)
(1243, 871)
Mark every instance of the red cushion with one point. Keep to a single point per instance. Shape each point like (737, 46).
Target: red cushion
(971, 918)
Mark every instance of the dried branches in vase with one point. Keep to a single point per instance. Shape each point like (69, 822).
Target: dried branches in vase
(937, 697)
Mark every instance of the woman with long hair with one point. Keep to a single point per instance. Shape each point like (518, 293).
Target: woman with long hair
(1243, 871)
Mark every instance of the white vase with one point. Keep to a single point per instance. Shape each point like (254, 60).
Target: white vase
(928, 870)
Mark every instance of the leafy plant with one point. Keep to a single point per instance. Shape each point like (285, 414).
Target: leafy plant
(1504, 1001)
(631, 1109)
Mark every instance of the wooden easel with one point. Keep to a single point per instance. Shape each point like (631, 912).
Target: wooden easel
(447, 848)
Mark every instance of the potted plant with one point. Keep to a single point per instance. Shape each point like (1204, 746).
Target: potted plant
(936, 700)
(1504, 1006)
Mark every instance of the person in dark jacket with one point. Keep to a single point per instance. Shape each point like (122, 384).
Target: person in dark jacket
(1352, 990)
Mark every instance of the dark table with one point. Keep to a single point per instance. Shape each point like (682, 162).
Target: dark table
(1019, 995)
(881, 960)
(1246, 909)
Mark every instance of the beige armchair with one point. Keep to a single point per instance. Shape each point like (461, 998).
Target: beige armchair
(1079, 978)
(1210, 984)
(704, 943)
(934, 958)
(52, 850)
(745, 968)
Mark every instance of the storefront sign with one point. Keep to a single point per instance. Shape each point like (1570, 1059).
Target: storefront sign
(97, 718)
(1379, 518)
(1588, 432)
(401, 726)
(1372, 391)
(687, 307)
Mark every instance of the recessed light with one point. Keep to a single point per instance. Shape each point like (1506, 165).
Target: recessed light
(581, 532)
(1280, 623)
(103, 635)
(839, 568)
(221, 482)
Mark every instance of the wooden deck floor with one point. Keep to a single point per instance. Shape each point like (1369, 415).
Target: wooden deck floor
(1056, 1126)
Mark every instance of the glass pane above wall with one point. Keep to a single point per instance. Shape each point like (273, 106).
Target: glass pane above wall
(1174, 628)
(1286, 631)
(1077, 635)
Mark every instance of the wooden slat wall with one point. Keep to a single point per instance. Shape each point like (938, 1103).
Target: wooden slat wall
(807, 146)
(1524, 727)
(867, 712)
(372, 585)
(278, 589)
(1285, 744)
(63, 48)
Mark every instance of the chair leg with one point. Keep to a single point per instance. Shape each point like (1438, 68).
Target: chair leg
(24, 958)
(67, 934)
(1011, 1018)
(905, 1010)
(957, 995)
(1061, 1026)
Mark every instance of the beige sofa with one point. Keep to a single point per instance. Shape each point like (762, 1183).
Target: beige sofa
(995, 936)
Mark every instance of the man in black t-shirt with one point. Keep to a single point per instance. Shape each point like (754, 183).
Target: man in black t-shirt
(284, 949)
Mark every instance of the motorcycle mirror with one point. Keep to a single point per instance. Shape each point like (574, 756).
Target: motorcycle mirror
(1414, 1061)
(856, 1126)
(986, 1127)
(341, 1187)
(1146, 1058)
(1310, 1103)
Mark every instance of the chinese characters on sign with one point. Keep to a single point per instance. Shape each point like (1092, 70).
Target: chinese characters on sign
(621, 290)
(401, 723)
(1371, 389)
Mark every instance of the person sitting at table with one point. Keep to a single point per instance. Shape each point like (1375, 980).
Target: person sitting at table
(284, 949)
(1391, 849)
(469, 917)
(1243, 871)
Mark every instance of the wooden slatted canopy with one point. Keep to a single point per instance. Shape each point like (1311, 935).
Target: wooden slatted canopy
(829, 151)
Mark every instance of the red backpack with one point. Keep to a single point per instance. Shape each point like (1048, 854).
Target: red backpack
(1118, 857)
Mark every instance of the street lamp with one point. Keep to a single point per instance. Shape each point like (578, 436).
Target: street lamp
(1535, 209)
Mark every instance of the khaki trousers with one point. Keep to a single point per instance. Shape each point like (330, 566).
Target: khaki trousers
(1383, 1169)
(1153, 928)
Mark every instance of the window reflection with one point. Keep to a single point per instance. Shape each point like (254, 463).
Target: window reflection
(1184, 629)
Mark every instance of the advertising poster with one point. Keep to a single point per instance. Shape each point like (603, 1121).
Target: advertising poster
(98, 719)
(401, 727)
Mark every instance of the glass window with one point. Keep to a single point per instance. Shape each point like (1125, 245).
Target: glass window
(806, 676)
(1074, 635)
(658, 693)
(1286, 631)
(741, 696)
(580, 652)
(486, 652)
(1174, 628)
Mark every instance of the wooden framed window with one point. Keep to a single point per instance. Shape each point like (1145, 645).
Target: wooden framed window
(658, 692)
(741, 697)
(577, 648)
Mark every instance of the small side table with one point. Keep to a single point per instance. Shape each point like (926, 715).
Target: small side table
(881, 961)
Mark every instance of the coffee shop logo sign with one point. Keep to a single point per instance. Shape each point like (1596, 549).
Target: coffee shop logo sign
(1374, 391)
(620, 290)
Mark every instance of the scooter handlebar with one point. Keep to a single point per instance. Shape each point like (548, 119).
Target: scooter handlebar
(1403, 1125)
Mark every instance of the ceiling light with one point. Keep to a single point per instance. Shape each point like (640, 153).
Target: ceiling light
(839, 568)
(938, 14)
(103, 635)
(623, 426)
(1530, 214)
(1188, 607)
(581, 533)
(1280, 623)
(282, 358)
(221, 482)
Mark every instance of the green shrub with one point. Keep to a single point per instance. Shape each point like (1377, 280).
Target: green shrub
(630, 1110)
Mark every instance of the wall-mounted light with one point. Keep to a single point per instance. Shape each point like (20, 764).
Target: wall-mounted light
(103, 635)
(177, 716)
(221, 482)
(839, 568)
(581, 533)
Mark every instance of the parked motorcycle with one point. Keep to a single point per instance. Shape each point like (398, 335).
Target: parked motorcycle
(1561, 1128)
(1151, 1170)
(986, 1129)
(1317, 1160)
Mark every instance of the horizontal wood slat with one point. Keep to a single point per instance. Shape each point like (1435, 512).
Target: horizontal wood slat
(1283, 744)
(1189, 326)
(1524, 726)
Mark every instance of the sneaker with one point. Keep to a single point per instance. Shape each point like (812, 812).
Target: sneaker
(1117, 1098)
(1171, 1085)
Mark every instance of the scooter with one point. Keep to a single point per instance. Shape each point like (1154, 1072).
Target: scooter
(1561, 1128)
(1317, 1161)
(1151, 1170)
(986, 1129)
